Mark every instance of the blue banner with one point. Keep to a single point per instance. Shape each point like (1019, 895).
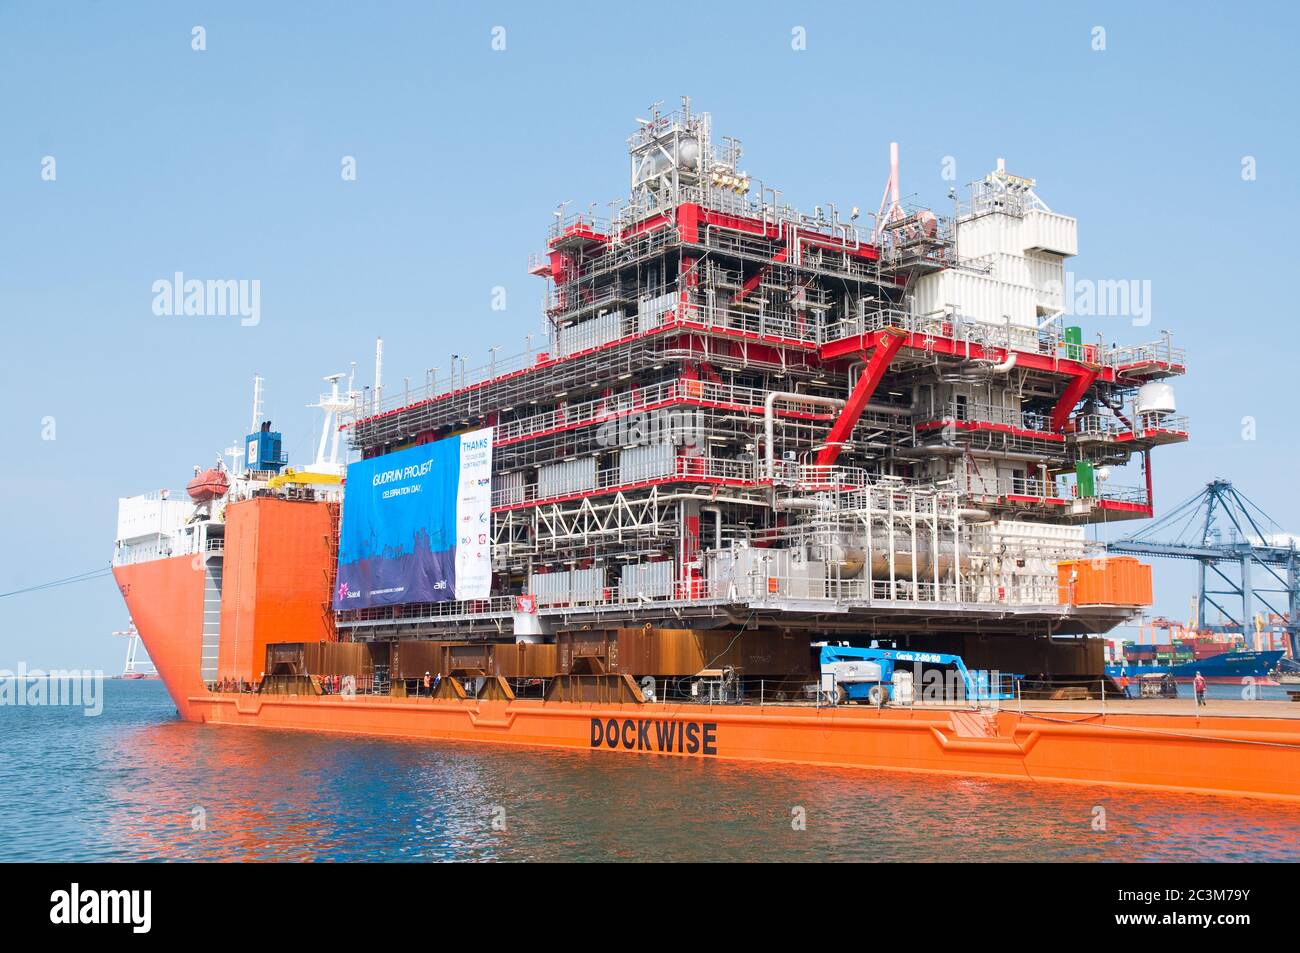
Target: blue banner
(411, 520)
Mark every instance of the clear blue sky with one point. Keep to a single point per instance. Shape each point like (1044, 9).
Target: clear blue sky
(226, 163)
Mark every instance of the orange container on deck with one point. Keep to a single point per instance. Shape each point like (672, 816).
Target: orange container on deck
(1114, 581)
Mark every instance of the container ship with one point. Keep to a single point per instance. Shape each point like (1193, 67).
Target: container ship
(767, 464)
(1188, 651)
(1229, 666)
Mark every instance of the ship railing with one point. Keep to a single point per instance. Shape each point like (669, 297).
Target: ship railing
(1028, 486)
(951, 325)
(1097, 425)
(622, 249)
(819, 239)
(789, 476)
(1026, 590)
(994, 488)
(1123, 494)
(764, 323)
(814, 478)
(1110, 492)
(1152, 352)
(680, 467)
(1158, 420)
(638, 399)
(920, 235)
(439, 381)
(565, 302)
(723, 685)
(583, 223)
(129, 555)
(588, 411)
(491, 607)
(988, 413)
(313, 684)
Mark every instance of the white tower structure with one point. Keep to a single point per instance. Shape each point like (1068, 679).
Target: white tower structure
(1012, 250)
(333, 404)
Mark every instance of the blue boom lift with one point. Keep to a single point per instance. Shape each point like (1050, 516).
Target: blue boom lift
(867, 675)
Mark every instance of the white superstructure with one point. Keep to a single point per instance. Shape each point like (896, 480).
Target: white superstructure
(1012, 250)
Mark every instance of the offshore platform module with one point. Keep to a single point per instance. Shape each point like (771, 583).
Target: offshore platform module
(755, 443)
(749, 416)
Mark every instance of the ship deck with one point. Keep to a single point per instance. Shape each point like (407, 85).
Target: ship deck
(1178, 707)
(1163, 707)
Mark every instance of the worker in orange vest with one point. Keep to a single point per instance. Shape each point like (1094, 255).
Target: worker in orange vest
(1198, 684)
(1123, 682)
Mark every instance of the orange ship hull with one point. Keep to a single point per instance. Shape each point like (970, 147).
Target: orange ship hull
(1253, 750)
(1240, 756)
(165, 599)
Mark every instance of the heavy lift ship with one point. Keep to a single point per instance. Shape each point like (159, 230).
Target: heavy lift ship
(751, 429)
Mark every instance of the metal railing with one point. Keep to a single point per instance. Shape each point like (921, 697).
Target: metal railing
(1105, 426)
(989, 413)
(1035, 488)
(1154, 420)
(806, 478)
(1046, 340)
(1038, 591)
(615, 478)
(599, 409)
(1152, 352)
(792, 327)
(1097, 425)
(492, 607)
(165, 548)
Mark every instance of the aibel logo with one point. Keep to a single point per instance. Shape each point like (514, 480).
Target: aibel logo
(77, 906)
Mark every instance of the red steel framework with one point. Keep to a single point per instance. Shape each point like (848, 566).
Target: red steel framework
(699, 321)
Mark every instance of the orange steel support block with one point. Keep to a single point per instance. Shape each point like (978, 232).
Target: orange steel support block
(1114, 581)
(276, 580)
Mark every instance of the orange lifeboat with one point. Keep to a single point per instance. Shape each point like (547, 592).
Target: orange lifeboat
(209, 485)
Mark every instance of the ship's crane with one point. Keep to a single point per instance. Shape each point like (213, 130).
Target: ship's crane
(1235, 544)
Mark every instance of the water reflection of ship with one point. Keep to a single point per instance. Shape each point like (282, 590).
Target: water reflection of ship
(135, 668)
